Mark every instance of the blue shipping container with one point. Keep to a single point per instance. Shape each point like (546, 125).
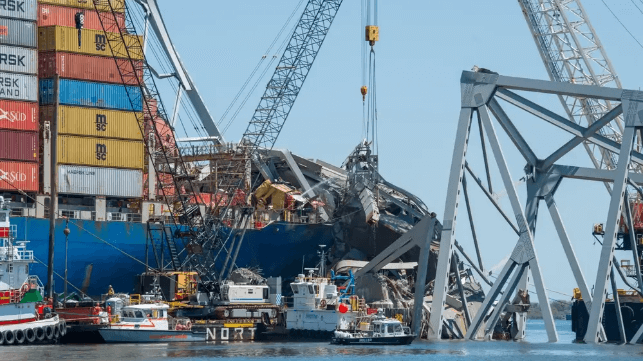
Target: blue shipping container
(88, 94)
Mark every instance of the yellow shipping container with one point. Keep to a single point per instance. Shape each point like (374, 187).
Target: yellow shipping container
(100, 152)
(103, 5)
(94, 122)
(93, 42)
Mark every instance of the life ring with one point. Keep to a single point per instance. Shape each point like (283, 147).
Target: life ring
(1, 338)
(56, 331)
(322, 303)
(49, 332)
(40, 333)
(9, 337)
(63, 328)
(30, 335)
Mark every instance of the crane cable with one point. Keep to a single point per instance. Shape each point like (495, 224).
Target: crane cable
(369, 98)
(254, 71)
(623, 25)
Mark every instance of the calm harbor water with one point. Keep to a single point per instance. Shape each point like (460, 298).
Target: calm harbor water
(534, 348)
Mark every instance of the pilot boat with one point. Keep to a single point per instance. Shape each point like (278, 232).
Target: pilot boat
(148, 323)
(375, 330)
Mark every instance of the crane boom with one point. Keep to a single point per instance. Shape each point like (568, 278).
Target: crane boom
(291, 72)
(572, 52)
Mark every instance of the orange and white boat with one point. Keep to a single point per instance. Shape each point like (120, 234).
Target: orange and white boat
(148, 323)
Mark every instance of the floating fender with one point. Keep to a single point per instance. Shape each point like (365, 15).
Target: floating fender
(62, 327)
(1, 338)
(20, 336)
(9, 337)
(40, 333)
(49, 332)
(56, 331)
(30, 335)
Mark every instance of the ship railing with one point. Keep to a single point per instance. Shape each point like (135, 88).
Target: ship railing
(70, 214)
(120, 217)
(630, 270)
(25, 255)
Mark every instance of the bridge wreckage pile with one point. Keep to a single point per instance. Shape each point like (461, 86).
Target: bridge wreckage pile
(366, 214)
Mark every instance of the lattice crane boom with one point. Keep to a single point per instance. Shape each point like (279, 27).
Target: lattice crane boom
(291, 72)
(208, 239)
(572, 52)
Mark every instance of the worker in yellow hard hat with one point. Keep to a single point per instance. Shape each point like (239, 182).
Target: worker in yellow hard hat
(110, 291)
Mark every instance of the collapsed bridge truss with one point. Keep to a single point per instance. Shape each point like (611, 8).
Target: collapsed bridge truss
(481, 93)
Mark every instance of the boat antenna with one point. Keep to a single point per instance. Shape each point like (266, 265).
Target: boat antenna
(322, 260)
(303, 258)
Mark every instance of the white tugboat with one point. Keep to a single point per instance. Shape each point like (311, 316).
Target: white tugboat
(20, 323)
(375, 330)
(319, 308)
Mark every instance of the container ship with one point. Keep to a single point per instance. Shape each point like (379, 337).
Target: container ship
(71, 126)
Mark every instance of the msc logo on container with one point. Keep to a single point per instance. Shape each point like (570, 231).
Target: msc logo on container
(11, 59)
(101, 122)
(101, 42)
(13, 5)
(101, 152)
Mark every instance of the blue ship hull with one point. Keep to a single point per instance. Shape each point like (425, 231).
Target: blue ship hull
(117, 250)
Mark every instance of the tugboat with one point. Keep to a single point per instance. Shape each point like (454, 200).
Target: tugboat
(375, 330)
(20, 322)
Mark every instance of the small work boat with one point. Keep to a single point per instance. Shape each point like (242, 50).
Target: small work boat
(149, 323)
(375, 330)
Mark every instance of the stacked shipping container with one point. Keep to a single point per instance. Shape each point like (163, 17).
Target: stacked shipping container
(19, 126)
(100, 150)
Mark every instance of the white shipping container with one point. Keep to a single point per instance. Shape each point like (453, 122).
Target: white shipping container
(14, 59)
(19, 9)
(109, 182)
(18, 32)
(18, 87)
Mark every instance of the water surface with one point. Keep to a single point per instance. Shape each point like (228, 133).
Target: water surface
(535, 347)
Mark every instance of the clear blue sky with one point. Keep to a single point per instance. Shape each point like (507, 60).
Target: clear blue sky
(424, 47)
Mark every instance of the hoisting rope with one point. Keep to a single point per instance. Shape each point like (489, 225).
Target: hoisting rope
(368, 89)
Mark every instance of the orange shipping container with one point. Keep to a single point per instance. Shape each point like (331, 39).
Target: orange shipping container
(18, 115)
(49, 15)
(87, 67)
(19, 175)
(102, 5)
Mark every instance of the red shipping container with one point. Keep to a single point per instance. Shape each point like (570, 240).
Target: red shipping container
(19, 175)
(18, 115)
(49, 15)
(21, 146)
(86, 67)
